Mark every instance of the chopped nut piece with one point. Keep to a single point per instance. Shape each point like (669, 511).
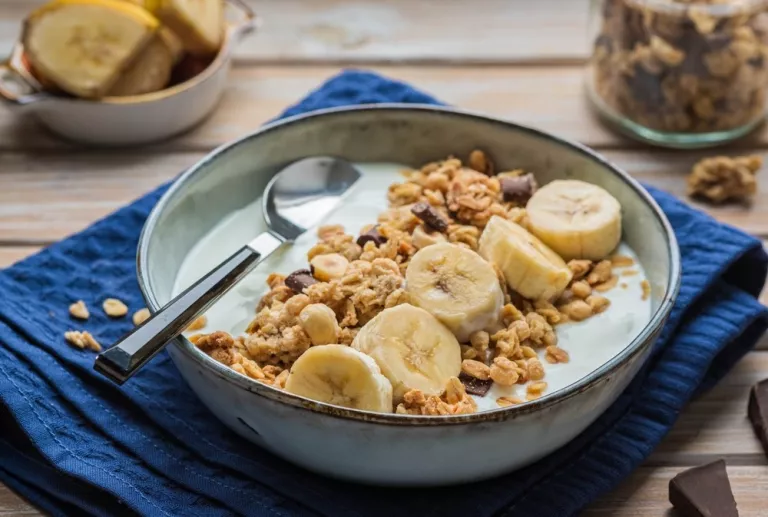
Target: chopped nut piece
(602, 272)
(646, 287)
(536, 388)
(508, 401)
(722, 178)
(199, 323)
(556, 355)
(140, 316)
(79, 310)
(467, 352)
(598, 303)
(319, 322)
(476, 369)
(479, 161)
(629, 272)
(576, 310)
(421, 238)
(114, 308)
(329, 266)
(504, 372)
(622, 261)
(535, 369)
(581, 289)
(579, 268)
(607, 285)
(82, 339)
(480, 340)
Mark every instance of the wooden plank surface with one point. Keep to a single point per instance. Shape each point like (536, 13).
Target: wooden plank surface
(548, 98)
(447, 31)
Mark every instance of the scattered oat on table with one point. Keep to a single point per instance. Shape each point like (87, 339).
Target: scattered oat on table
(200, 322)
(723, 178)
(82, 340)
(114, 308)
(140, 316)
(79, 310)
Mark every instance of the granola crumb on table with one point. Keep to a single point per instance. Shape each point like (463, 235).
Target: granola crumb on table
(82, 340)
(350, 279)
(79, 310)
(723, 178)
(114, 308)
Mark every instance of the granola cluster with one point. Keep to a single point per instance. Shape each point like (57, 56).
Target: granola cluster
(351, 279)
(722, 178)
(675, 66)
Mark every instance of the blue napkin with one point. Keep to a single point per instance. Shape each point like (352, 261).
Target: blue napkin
(72, 443)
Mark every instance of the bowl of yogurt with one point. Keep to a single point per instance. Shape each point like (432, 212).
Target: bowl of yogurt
(482, 295)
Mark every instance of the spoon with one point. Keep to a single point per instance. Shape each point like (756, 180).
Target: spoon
(296, 199)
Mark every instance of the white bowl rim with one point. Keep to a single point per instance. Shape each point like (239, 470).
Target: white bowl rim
(556, 397)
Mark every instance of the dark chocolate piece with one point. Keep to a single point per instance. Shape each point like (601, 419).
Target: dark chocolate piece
(373, 236)
(703, 492)
(430, 216)
(758, 412)
(518, 189)
(300, 280)
(475, 386)
(646, 87)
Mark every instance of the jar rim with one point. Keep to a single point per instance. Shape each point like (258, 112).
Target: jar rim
(716, 10)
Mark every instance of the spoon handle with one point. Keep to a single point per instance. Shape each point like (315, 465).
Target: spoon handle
(121, 361)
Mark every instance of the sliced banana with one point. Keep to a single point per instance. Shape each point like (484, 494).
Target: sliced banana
(84, 45)
(340, 375)
(150, 71)
(455, 285)
(199, 24)
(529, 266)
(412, 348)
(578, 220)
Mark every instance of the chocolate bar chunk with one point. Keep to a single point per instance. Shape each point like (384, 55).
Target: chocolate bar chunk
(518, 189)
(758, 412)
(373, 236)
(475, 386)
(703, 492)
(430, 216)
(300, 280)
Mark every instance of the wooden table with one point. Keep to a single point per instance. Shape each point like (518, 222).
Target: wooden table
(516, 59)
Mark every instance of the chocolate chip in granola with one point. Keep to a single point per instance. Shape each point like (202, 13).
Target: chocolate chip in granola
(646, 87)
(300, 280)
(518, 189)
(475, 386)
(373, 236)
(758, 412)
(430, 216)
(703, 491)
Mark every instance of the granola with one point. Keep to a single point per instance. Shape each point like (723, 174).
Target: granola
(723, 178)
(351, 280)
(678, 66)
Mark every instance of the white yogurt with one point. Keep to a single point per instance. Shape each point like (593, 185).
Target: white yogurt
(590, 343)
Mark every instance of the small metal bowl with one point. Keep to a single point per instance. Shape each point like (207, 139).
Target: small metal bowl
(129, 120)
(381, 448)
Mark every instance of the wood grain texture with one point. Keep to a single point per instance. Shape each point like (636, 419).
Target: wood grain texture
(447, 31)
(548, 97)
(646, 493)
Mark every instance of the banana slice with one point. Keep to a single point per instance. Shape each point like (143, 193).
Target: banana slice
(529, 266)
(84, 45)
(150, 72)
(457, 286)
(412, 348)
(576, 219)
(340, 375)
(199, 24)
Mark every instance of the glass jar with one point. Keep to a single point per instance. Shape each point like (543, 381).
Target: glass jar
(679, 73)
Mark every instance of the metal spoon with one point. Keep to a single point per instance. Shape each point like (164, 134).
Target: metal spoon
(296, 199)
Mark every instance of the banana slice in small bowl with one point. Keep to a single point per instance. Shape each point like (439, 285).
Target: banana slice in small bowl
(108, 72)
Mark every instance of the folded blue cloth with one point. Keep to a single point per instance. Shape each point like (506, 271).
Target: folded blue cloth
(72, 443)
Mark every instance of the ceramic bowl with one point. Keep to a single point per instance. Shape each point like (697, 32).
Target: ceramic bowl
(128, 120)
(392, 449)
